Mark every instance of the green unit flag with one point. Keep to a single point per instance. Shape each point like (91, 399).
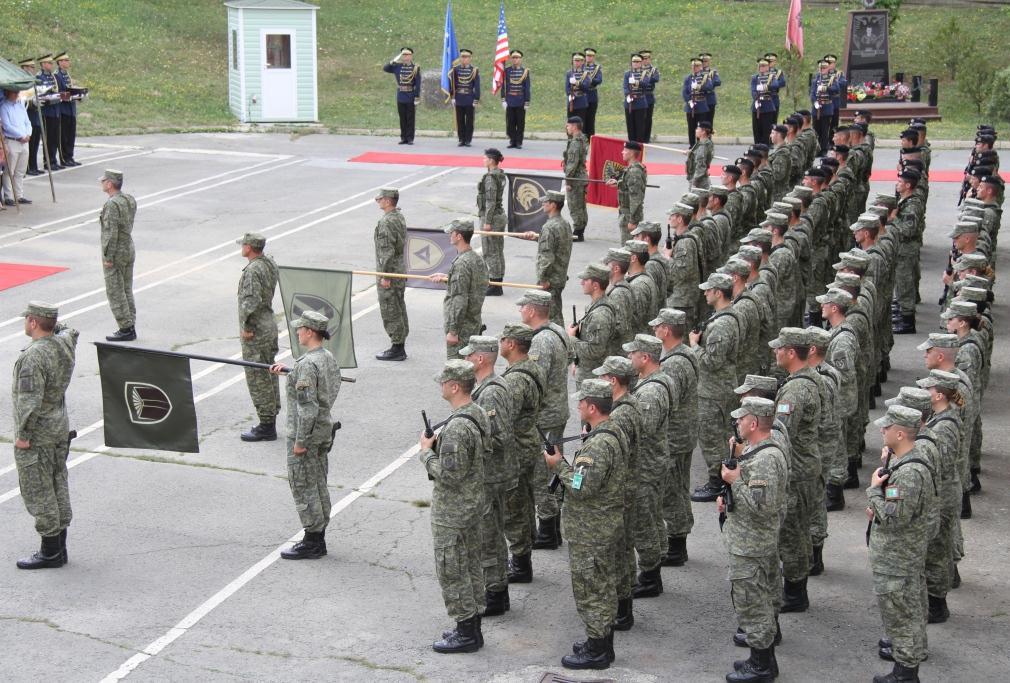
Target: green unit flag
(324, 291)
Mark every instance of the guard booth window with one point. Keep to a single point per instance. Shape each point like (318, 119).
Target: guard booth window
(279, 51)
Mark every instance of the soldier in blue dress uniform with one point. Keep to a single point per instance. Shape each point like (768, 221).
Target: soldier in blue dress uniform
(515, 97)
(28, 66)
(843, 90)
(577, 87)
(68, 111)
(636, 104)
(763, 90)
(408, 91)
(823, 90)
(779, 80)
(50, 110)
(706, 66)
(595, 80)
(695, 91)
(651, 74)
(464, 89)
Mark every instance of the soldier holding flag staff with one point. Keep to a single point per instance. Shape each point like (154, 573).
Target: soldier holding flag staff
(515, 97)
(464, 89)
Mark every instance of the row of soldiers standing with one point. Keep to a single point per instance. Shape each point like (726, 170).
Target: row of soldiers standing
(58, 108)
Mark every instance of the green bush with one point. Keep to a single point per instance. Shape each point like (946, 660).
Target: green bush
(999, 101)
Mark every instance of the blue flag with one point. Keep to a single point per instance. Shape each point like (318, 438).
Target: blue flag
(450, 51)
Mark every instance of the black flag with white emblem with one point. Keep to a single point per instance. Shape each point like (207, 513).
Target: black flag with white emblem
(527, 194)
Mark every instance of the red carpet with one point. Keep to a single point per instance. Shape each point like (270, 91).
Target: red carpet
(14, 274)
(476, 160)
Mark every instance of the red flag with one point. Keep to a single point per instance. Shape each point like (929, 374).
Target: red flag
(794, 27)
(605, 161)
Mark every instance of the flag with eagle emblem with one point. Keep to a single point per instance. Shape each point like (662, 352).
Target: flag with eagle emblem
(605, 162)
(324, 291)
(526, 196)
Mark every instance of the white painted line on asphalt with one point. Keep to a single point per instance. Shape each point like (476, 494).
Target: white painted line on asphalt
(91, 161)
(107, 145)
(219, 152)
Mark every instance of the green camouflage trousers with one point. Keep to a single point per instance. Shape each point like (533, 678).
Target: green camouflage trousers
(307, 479)
(42, 476)
(493, 251)
(901, 602)
(494, 551)
(677, 511)
(393, 311)
(548, 504)
(627, 565)
(975, 450)
(906, 285)
(452, 350)
(557, 311)
(794, 537)
(457, 566)
(702, 182)
(594, 585)
(714, 430)
(520, 520)
(575, 198)
(754, 589)
(622, 227)
(264, 388)
(819, 519)
(649, 533)
(940, 551)
(119, 291)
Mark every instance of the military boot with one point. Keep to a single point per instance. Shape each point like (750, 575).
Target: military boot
(123, 334)
(852, 481)
(938, 612)
(461, 639)
(707, 492)
(493, 290)
(834, 498)
(816, 561)
(740, 638)
(899, 674)
(557, 528)
(955, 580)
(593, 655)
(625, 615)
(649, 585)
(906, 325)
(676, 552)
(794, 596)
(48, 556)
(520, 569)
(579, 236)
(63, 546)
(884, 649)
(497, 602)
(976, 485)
(311, 547)
(965, 505)
(264, 431)
(547, 535)
(756, 669)
(394, 352)
(477, 632)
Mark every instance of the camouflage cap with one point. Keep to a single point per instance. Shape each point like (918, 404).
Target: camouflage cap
(761, 382)
(774, 218)
(749, 253)
(692, 200)
(791, 203)
(681, 209)
(253, 239)
(847, 280)
(594, 388)
(756, 406)
(518, 331)
(854, 258)
(876, 212)
(960, 309)
(940, 379)
(645, 343)
(669, 316)
(459, 225)
(618, 255)
(388, 193)
(618, 366)
(313, 320)
(702, 194)
(802, 191)
(637, 246)
(737, 266)
(900, 416)
(717, 281)
(650, 227)
(535, 297)
(888, 200)
(594, 271)
(719, 191)
(973, 261)
(41, 309)
(819, 337)
(112, 174)
(865, 222)
(912, 397)
(479, 343)
(556, 197)
(973, 294)
(963, 227)
(836, 296)
(760, 235)
(456, 370)
(940, 340)
(976, 281)
(796, 337)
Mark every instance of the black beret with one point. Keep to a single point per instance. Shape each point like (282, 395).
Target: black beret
(916, 126)
(917, 164)
(744, 161)
(910, 174)
(815, 173)
(981, 171)
(909, 134)
(575, 119)
(516, 52)
(731, 169)
(492, 153)
(761, 147)
(861, 127)
(986, 139)
(805, 113)
(631, 144)
(830, 161)
(916, 119)
(780, 129)
(705, 125)
(794, 120)
(993, 180)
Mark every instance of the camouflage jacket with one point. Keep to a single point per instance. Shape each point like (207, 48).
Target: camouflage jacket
(255, 298)
(681, 365)
(117, 228)
(898, 535)
(554, 251)
(627, 414)
(598, 330)
(42, 374)
(390, 241)
(631, 192)
(658, 267)
(526, 384)
(699, 159)
(686, 272)
(717, 356)
(798, 406)
(312, 388)
(490, 192)
(646, 305)
(494, 397)
(843, 353)
(622, 299)
(574, 159)
(829, 382)
(946, 426)
(457, 468)
(552, 351)
(464, 293)
(759, 495)
(655, 393)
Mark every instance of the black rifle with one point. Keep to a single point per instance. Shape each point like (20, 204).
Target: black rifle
(669, 239)
(885, 470)
(333, 435)
(549, 447)
(731, 463)
(700, 327)
(952, 256)
(966, 183)
(428, 433)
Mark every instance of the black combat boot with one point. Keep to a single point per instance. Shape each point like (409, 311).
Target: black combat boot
(899, 674)
(938, 612)
(965, 505)
(493, 290)
(649, 585)
(579, 236)
(756, 669)
(521, 569)
(48, 556)
(852, 481)
(477, 632)
(497, 602)
(311, 547)
(976, 485)
(557, 528)
(906, 325)
(884, 649)
(794, 596)
(625, 615)
(593, 655)
(676, 553)
(875, 390)
(462, 639)
(264, 431)
(394, 352)
(834, 498)
(816, 561)
(123, 334)
(708, 492)
(63, 546)
(547, 535)
(740, 638)
(955, 581)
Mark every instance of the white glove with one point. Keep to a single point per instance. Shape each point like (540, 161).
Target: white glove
(453, 100)
(504, 104)
(695, 86)
(526, 105)
(628, 98)
(573, 80)
(760, 88)
(417, 101)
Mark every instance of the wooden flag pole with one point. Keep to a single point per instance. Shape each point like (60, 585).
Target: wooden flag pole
(518, 285)
(679, 151)
(405, 276)
(492, 233)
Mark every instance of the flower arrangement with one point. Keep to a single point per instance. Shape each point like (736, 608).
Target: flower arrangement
(860, 92)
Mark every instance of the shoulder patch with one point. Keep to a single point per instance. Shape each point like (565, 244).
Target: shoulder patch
(784, 408)
(534, 356)
(583, 460)
(758, 482)
(892, 493)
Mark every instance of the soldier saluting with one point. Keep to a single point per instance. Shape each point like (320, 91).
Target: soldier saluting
(408, 91)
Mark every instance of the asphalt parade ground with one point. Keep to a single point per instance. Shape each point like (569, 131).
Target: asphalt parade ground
(174, 571)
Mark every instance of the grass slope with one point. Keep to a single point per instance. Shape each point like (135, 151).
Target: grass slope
(160, 64)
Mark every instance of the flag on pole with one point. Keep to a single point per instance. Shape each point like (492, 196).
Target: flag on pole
(427, 252)
(501, 51)
(324, 291)
(147, 400)
(605, 162)
(450, 50)
(794, 27)
(527, 194)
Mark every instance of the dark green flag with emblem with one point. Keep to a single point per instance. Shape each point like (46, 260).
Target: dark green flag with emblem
(425, 253)
(526, 200)
(324, 291)
(147, 400)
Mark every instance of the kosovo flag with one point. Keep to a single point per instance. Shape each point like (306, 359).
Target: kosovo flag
(527, 194)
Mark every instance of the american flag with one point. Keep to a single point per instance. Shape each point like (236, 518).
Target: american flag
(501, 52)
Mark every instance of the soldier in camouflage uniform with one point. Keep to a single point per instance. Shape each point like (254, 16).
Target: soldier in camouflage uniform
(900, 498)
(490, 194)
(526, 384)
(466, 286)
(843, 355)
(620, 296)
(455, 463)
(118, 254)
(630, 184)
(688, 263)
(659, 264)
(551, 349)
(593, 523)
(554, 251)
(390, 240)
(680, 363)
(907, 225)
(42, 374)
(500, 469)
(312, 388)
(574, 163)
(597, 331)
(258, 334)
(700, 156)
(751, 532)
(648, 299)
